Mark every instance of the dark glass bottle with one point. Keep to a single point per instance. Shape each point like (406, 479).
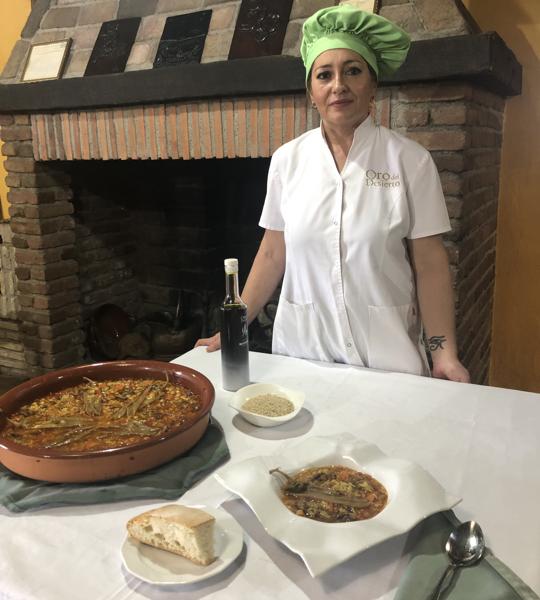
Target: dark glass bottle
(234, 332)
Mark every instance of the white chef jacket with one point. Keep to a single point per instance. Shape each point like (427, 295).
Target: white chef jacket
(348, 292)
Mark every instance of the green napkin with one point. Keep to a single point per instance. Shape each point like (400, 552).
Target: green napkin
(168, 481)
(489, 579)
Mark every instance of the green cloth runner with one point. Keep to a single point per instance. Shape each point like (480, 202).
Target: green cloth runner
(489, 579)
(169, 481)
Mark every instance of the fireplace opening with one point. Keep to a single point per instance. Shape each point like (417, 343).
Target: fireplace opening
(150, 239)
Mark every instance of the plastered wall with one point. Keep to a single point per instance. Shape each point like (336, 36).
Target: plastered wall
(515, 361)
(13, 15)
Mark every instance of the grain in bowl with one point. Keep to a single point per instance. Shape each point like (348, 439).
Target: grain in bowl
(269, 405)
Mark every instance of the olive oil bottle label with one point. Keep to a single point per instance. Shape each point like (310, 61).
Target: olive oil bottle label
(234, 347)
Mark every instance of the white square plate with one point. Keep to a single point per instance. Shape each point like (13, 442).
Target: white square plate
(413, 495)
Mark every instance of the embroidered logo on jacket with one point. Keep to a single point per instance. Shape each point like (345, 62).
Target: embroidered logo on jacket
(382, 179)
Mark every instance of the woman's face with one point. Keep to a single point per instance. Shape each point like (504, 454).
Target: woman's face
(342, 87)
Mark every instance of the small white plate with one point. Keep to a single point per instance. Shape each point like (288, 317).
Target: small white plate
(165, 568)
(413, 495)
(257, 389)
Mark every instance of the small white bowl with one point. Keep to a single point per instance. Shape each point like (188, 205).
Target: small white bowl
(256, 389)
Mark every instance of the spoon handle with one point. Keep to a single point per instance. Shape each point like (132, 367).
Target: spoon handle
(440, 588)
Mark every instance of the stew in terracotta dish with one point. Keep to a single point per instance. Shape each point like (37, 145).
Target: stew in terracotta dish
(101, 415)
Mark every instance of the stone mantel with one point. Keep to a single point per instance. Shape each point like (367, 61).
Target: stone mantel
(480, 58)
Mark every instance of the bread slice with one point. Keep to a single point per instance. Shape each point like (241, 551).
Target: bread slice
(179, 529)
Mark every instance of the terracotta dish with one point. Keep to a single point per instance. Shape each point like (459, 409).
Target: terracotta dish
(59, 466)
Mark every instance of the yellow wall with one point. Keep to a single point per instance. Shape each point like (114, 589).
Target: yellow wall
(515, 359)
(13, 15)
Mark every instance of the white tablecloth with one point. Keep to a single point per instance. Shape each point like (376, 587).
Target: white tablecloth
(480, 443)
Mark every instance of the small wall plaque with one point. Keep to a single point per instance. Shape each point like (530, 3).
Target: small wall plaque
(46, 61)
(112, 47)
(260, 28)
(372, 6)
(183, 39)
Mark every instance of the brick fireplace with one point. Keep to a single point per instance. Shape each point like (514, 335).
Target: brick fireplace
(131, 188)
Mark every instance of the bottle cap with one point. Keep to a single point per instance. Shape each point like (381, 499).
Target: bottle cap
(231, 266)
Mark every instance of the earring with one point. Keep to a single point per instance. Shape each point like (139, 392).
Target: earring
(313, 105)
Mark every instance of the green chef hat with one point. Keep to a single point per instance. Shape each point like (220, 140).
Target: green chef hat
(381, 44)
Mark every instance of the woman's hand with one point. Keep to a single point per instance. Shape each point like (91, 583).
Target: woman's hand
(266, 272)
(212, 343)
(450, 369)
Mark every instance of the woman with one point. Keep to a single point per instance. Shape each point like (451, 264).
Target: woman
(354, 215)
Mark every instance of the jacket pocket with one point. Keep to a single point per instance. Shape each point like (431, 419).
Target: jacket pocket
(394, 339)
(298, 332)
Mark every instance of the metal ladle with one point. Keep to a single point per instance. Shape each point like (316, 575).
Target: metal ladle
(465, 547)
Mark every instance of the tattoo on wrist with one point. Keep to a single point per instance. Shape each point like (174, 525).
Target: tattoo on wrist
(436, 342)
